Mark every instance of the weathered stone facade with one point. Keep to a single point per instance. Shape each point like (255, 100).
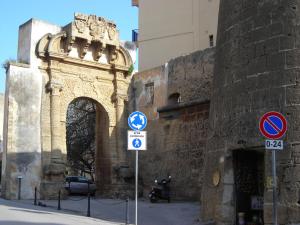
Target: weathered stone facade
(256, 70)
(59, 64)
(175, 99)
(203, 125)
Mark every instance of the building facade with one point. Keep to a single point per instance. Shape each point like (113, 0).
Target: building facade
(256, 70)
(56, 66)
(175, 98)
(172, 28)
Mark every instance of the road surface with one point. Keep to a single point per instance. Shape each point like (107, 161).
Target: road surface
(17, 213)
(103, 211)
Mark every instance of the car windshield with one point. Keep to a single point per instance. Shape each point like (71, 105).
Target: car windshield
(77, 179)
(82, 179)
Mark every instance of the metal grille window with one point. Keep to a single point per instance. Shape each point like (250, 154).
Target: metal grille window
(149, 93)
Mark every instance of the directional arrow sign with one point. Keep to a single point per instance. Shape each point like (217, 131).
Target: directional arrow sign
(137, 121)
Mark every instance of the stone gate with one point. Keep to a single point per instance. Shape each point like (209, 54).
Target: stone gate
(56, 65)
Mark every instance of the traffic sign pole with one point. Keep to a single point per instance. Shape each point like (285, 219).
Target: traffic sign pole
(273, 125)
(274, 187)
(136, 185)
(137, 140)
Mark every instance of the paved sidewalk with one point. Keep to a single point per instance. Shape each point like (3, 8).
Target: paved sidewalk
(20, 213)
(162, 213)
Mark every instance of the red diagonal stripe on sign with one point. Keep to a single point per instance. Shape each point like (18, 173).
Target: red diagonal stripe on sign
(273, 125)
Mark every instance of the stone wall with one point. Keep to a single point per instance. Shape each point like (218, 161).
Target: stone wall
(22, 144)
(177, 130)
(256, 71)
(22, 150)
(1, 120)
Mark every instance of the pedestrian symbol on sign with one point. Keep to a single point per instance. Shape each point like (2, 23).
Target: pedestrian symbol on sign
(137, 143)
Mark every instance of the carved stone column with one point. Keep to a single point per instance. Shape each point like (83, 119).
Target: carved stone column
(55, 87)
(120, 163)
(54, 172)
(119, 99)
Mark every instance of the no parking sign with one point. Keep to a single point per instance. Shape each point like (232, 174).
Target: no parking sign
(272, 125)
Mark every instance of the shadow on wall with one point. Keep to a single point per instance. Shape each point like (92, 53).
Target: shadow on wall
(23, 169)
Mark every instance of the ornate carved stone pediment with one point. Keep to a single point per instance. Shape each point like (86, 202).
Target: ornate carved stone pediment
(80, 23)
(93, 28)
(89, 39)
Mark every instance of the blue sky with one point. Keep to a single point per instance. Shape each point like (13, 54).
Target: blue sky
(13, 13)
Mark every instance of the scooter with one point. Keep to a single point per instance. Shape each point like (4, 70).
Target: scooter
(160, 191)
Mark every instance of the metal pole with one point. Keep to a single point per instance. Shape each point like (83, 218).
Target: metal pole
(89, 202)
(136, 185)
(19, 188)
(127, 212)
(58, 205)
(35, 196)
(274, 187)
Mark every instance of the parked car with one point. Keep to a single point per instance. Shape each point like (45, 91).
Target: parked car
(79, 185)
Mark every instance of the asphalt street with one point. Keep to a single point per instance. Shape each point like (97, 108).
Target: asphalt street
(18, 213)
(103, 212)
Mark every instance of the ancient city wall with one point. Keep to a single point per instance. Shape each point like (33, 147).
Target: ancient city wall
(177, 130)
(257, 70)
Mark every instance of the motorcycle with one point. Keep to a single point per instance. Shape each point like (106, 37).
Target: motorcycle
(160, 191)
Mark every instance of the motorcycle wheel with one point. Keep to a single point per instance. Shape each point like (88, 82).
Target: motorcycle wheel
(153, 199)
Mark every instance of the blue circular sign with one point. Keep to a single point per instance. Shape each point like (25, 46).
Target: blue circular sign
(273, 125)
(137, 121)
(137, 143)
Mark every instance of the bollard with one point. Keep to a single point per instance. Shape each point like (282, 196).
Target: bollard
(35, 196)
(58, 205)
(89, 202)
(127, 211)
(19, 187)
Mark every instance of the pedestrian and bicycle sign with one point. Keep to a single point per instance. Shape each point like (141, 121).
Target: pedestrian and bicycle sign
(137, 143)
(273, 125)
(137, 140)
(137, 121)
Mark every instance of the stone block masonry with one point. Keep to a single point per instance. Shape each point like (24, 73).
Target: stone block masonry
(177, 128)
(256, 70)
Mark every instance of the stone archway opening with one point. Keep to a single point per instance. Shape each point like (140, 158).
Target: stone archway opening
(87, 141)
(249, 186)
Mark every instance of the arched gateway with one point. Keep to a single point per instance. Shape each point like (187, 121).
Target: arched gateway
(58, 65)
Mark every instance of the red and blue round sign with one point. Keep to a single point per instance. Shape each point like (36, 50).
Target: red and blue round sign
(273, 125)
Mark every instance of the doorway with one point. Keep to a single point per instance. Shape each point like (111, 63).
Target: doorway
(87, 139)
(249, 186)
